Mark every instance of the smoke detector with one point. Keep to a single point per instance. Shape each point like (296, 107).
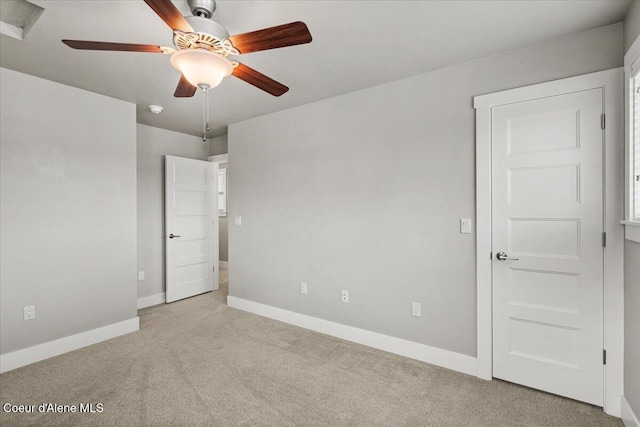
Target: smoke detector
(155, 109)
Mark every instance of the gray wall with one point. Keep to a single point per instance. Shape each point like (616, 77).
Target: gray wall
(224, 238)
(218, 145)
(632, 324)
(364, 192)
(632, 270)
(67, 209)
(632, 25)
(153, 144)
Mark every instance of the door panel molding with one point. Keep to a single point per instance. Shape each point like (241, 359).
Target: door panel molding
(611, 82)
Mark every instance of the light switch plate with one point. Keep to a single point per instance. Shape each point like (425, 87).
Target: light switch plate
(237, 220)
(465, 226)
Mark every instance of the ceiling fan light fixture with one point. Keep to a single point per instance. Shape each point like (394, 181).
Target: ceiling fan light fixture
(201, 67)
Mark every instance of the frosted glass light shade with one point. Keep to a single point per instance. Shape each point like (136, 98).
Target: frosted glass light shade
(201, 66)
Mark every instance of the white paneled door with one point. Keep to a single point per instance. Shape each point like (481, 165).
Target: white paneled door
(547, 221)
(191, 227)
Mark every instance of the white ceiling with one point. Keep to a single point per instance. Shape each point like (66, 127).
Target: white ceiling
(356, 44)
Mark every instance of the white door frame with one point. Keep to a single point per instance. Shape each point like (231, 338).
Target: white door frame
(217, 159)
(611, 81)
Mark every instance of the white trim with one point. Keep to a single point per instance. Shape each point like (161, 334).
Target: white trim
(541, 90)
(631, 66)
(611, 81)
(220, 158)
(629, 418)
(224, 265)
(150, 300)
(36, 353)
(424, 353)
(484, 266)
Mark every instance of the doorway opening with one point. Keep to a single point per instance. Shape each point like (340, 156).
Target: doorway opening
(222, 161)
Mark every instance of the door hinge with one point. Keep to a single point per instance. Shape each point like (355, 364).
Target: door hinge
(604, 239)
(491, 255)
(603, 121)
(604, 356)
(214, 268)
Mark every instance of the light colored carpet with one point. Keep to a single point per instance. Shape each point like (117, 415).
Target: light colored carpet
(199, 363)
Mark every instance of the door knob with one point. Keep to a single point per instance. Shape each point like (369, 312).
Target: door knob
(501, 256)
(171, 236)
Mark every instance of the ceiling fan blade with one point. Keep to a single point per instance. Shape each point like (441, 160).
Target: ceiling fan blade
(170, 15)
(123, 47)
(272, 38)
(184, 89)
(259, 80)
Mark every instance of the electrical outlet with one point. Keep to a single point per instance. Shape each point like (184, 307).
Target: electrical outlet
(140, 275)
(303, 288)
(416, 309)
(345, 296)
(29, 312)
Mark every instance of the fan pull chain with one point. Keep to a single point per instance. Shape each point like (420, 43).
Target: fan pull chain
(205, 113)
(208, 112)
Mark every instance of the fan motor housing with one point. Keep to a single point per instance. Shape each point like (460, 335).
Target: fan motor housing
(207, 26)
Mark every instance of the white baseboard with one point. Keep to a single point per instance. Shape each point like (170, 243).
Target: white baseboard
(424, 353)
(150, 300)
(626, 413)
(224, 265)
(39, 352)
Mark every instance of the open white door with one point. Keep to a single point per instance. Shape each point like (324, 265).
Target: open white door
(191, 227)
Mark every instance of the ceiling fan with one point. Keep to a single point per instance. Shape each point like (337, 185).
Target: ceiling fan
(202, 47)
